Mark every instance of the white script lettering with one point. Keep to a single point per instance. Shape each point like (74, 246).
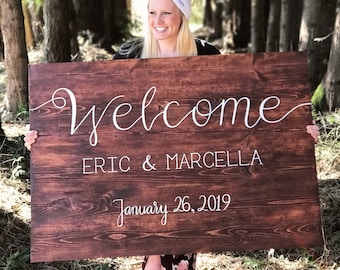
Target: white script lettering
(140, 210)
(123, 109)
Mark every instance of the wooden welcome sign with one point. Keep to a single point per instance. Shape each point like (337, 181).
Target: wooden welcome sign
(196, 154)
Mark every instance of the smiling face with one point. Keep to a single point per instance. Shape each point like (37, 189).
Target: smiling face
(164, 19)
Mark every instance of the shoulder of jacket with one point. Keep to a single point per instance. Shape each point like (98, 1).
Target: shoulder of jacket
(202, 42)
(205, 47)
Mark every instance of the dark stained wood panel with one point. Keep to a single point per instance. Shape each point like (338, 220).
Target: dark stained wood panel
(191, 142)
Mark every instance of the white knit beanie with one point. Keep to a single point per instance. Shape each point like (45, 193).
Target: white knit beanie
(184, 6)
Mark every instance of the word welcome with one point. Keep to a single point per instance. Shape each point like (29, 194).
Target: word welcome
(123, 109)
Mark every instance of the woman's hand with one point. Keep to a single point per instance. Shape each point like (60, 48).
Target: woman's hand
(313, 130)
(183, 265)
(30, 138)
(153, 263)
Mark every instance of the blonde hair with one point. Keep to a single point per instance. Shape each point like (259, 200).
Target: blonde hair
(186, 45)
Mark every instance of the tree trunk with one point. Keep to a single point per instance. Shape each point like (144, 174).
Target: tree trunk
(2, 135)
(90, 18)
(322, 43)
(16, 60)
(30, 43)
(257, 23)
(120, 23)
(104, 22)
(207, 16)
(296, 22)
(107, 22)
(286, 25)
(2, 52)
(74, 31)
(2, 49)
(57, 31)
(308, 32)
(273, 31)
(332, 80)
(2, 57)
(309, 22)
(218, 20)
(237, 22)
(36, 14)
(317, 19)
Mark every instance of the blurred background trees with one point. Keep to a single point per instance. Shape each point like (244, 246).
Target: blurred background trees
(235, 26)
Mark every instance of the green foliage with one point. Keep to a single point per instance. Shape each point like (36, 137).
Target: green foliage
(318, 98)
(16, 158)
(197, 13)
(18, 260)
(23, 113)
(330, 127)
(36, 3)
(254, 264)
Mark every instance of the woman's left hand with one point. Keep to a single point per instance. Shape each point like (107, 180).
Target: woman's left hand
(313, 130)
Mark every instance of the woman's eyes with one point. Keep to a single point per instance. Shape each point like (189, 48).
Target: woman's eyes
(164, 13)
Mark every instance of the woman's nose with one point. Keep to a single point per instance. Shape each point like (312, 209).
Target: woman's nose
(159, 18)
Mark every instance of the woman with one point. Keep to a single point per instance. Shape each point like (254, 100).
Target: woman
(167, 35)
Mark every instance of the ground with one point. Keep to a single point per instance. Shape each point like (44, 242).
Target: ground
(15, 206)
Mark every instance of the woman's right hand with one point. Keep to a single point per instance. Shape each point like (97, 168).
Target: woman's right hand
(30, 138)
(314, 131)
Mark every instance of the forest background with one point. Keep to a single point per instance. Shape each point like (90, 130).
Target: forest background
(36, 31)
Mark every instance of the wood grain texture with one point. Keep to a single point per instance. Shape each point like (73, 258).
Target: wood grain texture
(264, 176)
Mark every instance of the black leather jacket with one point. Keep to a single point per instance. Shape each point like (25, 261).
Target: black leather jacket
(133, 49)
